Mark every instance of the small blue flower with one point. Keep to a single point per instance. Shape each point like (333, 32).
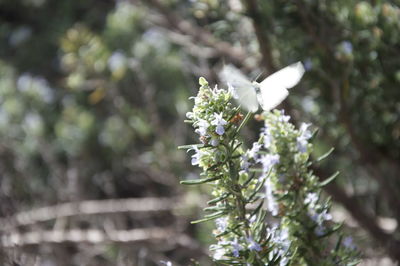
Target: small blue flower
(302, 145)
(253, 153)
(214, 142)
(311, 199)
(219, 122)
(222, 223)
(305, 133)
(320, 218)
(202, 127)
(302, 140)
(236, 247)
(253, 245)
(348, 242)
(272, 204)
(244, 162)
(325, 216)
(196, 156)
(268, 161)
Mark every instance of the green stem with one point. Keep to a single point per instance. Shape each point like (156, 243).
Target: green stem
(245, 120)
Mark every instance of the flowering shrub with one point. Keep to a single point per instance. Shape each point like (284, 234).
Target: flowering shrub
(266, 204)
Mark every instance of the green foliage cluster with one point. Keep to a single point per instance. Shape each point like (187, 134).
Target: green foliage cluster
(267, 206)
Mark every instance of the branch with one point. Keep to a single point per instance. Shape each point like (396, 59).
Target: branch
(176, 22)
(367, 221)
(92, 236)
(262, 37)
(89, 207)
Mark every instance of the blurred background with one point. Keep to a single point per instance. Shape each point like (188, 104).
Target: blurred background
(93, 95)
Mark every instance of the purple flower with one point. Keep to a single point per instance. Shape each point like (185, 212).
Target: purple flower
(219, 122)
(302, 140)
(214, 142)
(236, 247)
(253, 245)
(202, 127)
(253, 153)
(196, 156)
(272, 205)
(319, 218)
(268, 161)
(348, 242)
(222, 223)
(302, 145)
(245, 164)
(311, 199)
(305, 133)
(325, 216)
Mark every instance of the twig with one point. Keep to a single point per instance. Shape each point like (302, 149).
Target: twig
(89, 207)
(174, 21)
(360, 215)
(92, 236)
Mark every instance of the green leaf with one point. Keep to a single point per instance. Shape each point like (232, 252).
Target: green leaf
(232, 230)
(220, 198)
(325, 155)
(214, 214)
(338, 243)
(215, 208)
(329, 179)
(199, 181)
(313, 135)
(209, 217)
(248, 180)
(259, 186)
(190, 146)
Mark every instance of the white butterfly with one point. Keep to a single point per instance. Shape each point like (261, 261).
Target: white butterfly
(269, 93)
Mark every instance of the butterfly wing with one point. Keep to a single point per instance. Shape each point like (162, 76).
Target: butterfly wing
(246, 94)
(274, 89)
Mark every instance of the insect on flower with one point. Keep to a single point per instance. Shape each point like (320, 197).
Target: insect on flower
(236, 119)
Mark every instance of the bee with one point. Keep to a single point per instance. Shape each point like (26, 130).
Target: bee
(236, 119)
(203, 139)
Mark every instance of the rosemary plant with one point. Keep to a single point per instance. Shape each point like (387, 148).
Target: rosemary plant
(267, 203)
